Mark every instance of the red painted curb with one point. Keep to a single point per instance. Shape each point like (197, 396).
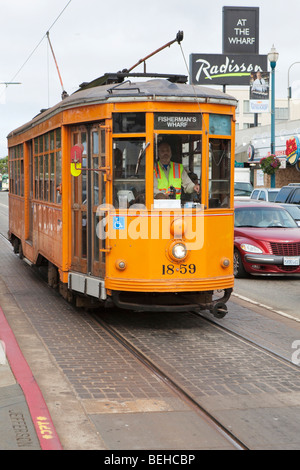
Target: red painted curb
(39, 412)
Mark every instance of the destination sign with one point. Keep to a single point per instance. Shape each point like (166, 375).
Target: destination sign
(179, 121)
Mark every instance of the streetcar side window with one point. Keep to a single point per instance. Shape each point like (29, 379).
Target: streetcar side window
(219, 173)
(58, 177)
(36, 177)
(47, 166)
(16, 170)
(52, 178)
(129, 172)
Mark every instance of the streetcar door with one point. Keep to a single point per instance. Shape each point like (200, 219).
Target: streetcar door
(97, 189)
(88, 192)
(30, 195)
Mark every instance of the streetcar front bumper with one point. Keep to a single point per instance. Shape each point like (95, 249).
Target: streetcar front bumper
(174, 302)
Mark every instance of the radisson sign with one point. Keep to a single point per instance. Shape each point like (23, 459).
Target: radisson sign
(225, 69)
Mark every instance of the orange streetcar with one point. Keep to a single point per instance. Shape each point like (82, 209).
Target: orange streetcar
(124, 191)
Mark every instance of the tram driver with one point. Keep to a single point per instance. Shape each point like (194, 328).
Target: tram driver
(169, 176)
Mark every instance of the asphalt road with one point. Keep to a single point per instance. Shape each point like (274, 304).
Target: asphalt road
(4, 213)
(280, 293)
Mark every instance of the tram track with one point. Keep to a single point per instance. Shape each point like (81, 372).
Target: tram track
(249, 342)
(171, 384)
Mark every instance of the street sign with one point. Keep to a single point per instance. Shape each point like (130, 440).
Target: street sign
(240, 30)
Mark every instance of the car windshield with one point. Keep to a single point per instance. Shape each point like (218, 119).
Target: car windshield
(263, 217)
(242, 189)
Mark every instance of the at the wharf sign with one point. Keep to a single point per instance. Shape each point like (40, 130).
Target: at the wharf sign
(225, 69)
(240, 30)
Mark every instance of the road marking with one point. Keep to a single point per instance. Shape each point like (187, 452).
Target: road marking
(283, 314)
(46, 433)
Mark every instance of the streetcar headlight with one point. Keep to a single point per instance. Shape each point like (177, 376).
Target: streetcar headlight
(251, 248)
(179, 251)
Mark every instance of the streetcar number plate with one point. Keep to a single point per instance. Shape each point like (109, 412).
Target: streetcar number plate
(170, 269)
(291, 261)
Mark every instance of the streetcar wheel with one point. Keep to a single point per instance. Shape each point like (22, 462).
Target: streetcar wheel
(15, 245)
(21, 251)
(219, 310)
(238, 267)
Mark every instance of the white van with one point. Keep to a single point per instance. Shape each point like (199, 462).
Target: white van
(265, 194)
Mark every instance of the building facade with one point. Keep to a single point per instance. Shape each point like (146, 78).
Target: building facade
(253, 138)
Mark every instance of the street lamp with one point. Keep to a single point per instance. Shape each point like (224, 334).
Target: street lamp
(290, 88)
(273, 57)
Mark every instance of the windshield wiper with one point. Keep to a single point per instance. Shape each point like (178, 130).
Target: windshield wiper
(239, 226)
(141, 154)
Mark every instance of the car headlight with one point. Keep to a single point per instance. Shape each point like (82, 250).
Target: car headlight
(179, 251)
(251, 248)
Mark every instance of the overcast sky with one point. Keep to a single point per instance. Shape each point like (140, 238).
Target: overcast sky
(92, 37)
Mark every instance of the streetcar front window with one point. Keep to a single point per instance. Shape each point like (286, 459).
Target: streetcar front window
(129, 172)
(177, 170)
(219, 173)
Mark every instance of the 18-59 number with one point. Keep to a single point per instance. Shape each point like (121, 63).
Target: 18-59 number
(169, 269)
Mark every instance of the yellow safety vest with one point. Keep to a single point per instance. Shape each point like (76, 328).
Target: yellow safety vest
(174, 179)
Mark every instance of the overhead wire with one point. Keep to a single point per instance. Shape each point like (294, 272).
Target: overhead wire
(194, 89)
(39, 43)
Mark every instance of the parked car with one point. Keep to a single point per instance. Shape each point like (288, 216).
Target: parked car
(264, 194)
(289, 194)
(294, 210)
(266, 239)
(242, 189)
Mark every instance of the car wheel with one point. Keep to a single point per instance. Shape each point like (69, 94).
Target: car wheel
(238, 267)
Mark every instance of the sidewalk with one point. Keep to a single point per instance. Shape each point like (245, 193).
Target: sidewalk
(25, 422)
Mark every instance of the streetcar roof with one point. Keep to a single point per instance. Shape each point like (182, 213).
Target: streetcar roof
(151, 90)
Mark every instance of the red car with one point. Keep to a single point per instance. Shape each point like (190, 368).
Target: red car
(266, 240)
